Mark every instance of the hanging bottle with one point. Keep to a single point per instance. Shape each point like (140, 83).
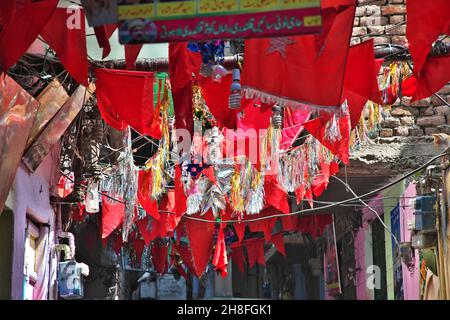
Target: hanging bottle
(235, 95)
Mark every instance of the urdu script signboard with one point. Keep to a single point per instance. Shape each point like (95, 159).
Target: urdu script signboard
(151, 21)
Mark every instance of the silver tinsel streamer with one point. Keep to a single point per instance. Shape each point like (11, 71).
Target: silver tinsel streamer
(255, 199)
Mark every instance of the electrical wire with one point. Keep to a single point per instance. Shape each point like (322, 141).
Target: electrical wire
(370, 208)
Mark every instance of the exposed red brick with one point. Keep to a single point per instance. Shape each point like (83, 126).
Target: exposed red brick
(393, 9)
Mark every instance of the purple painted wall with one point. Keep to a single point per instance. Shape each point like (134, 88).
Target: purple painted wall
(32, 199)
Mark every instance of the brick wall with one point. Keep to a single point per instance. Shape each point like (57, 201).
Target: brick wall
(377, 20)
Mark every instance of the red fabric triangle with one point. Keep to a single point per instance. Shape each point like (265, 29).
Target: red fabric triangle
(113, 213)
(434, 75)
(103, 33)
(182, 65)
(144, 230)
(138, 245)
(423, 28)
(237, 256)
(314, 225)
(20, 25)
(131, 54)
(200, 235)
(278, 241)
(239, 227)
(117, 244)
(69, 44)
(275, 195)
(293, 120)
(186, 256)
(144, 182)
(159, 256)
(295, 71)
(118, 107)
(340, 148)
(216, 95)
(289, 223)
(255, 252)
(220, 260)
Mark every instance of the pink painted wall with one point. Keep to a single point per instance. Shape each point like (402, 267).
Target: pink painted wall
(410, 277)
(32, 198)
(361, 253)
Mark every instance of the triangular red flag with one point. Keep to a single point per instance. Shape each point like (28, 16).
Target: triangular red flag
(434, 75)
(144, 183)
(138, 245)
(275, 195)
(113, 213)
(255, 252)
(20, 25)
(278, 241)
(144, 230)
(200, 235)
(65, 33)
(237, 256)
(180, 196)
(423, 28)
(220, 260)
(159, 256)
(103, 33)
(186, 256)
(131, 54)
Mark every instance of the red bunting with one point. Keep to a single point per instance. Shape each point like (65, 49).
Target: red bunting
(103, 33)
(113, 213)
(339, 147)
(159, 256)
(314, 225)
(434, 75)
(289, 223)
(65, 33)
(290, 68)
(138, 245)
(216, 96)
(275, 195)
(131, 54)
(265, 225)
(278, 241)
(423, 26)
(144, 227)
(239, 227)
(126, 98)
(182, 64)
(255, 252)
(168, 219)
(144, 183)
(20, 25)
(117, 244)
(361, 72)
(293, 120)
(200, 235)
(220, 260)
(309, 197)
(186, 256)
(237, 256)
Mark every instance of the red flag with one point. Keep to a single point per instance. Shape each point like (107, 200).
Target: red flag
(255, 252)
(293, 120)
(434, 75)
(220, 260)
(144, 182)
(200, 235)
(103, 33)
(138, 245)
(117, 244)
(291, 71)
(20, 24)
(278, 241)
(275, 195)
(144, 230)
(169, 219)
(239, 227)
(265, 225)
(289, 223)
(339, 147)
(314, 225)
(159, 256)
(216, 96)
(186, 256)
(131, 54)
(182, 64)
(237, 256)
(65, 33)
(423, 26)
(126, 98)
(361, 72)
(113, 213)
